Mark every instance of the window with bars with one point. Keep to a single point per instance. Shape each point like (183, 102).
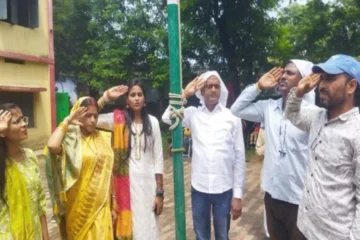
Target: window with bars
(20, 12)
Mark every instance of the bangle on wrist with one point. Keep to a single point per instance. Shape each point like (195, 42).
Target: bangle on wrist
(63, 127)
(101, 102)
(106, 96)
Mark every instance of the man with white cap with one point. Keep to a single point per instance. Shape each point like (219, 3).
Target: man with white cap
(330, 208)
(218, 161)
(285, 158)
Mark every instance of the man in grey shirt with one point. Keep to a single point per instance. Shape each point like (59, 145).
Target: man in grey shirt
(330, 208)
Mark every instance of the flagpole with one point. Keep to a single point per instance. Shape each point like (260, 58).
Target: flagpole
(173, 7)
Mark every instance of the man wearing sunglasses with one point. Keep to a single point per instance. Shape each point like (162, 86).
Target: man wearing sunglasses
(330, 208)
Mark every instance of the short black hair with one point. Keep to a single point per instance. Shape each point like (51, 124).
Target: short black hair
(357, 91)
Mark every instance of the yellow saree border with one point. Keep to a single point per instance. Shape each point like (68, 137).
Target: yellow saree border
(93, 192)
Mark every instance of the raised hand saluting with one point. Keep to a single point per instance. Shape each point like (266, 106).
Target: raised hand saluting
(307, 84)
(75, 117)
(116, 92)
(270, 79)
(5, 117)
(194, 86)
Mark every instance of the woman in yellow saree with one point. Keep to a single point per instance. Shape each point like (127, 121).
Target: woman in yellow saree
(79, 166)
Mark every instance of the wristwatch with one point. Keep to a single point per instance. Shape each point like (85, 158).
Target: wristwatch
(160, 193)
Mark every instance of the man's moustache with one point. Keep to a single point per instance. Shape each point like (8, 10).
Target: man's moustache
(283, 82)
(324, 91)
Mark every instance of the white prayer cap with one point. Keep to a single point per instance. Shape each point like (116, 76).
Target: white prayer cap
(223, 90)
(304, 67)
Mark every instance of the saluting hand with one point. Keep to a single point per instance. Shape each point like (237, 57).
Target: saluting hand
(5, 117)
(116, 92)
(193, 87)
(75, 117)
(270, 79)
(307, 84)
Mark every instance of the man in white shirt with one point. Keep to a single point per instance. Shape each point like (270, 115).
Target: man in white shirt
(218, 161)
(260, 150)
(285, 149)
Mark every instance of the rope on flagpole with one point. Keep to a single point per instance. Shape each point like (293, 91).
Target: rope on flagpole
(176, 113)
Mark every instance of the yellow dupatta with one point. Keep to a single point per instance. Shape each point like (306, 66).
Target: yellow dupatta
(80, 182)
(18, 201)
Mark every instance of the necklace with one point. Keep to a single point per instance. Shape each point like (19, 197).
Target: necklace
(137, 142)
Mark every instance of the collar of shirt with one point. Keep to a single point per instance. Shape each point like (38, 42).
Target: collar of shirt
(217, 108)
(345, 116)
(278, 104)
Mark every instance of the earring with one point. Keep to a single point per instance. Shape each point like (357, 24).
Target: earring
(127, 105)
(144, 104)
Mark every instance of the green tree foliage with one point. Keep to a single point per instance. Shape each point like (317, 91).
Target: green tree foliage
(107, 42)
(117, 42)
(317, 30)
(71, 19)
(104, 42)
(229, 36)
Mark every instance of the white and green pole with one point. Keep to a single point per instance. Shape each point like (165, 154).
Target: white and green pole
(176, 88)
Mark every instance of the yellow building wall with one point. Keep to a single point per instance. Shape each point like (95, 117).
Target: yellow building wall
(18, 39)
(35, 42)
(30, 75)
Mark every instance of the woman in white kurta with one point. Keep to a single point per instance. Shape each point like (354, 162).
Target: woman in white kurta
(145, 159)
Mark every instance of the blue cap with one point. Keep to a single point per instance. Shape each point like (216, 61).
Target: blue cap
(338, 64)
